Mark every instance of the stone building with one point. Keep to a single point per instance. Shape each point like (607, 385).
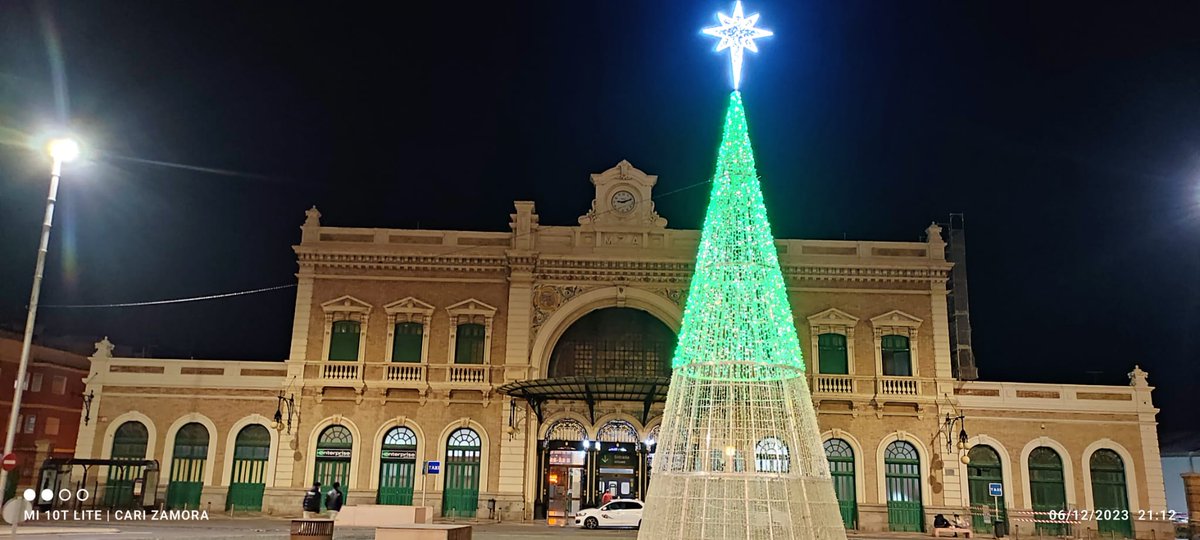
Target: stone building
(532, 364)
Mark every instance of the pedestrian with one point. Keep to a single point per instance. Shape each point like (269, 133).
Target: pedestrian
(312, 500)
(607, 497)
(334, 499)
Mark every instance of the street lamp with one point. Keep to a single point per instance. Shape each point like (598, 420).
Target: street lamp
(61, 151)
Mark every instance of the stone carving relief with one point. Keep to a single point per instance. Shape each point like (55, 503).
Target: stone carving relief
(547, 299)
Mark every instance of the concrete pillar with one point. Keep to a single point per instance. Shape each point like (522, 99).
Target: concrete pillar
(1191, 493)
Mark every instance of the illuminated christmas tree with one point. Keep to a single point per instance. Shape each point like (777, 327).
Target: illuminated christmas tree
(739, 454)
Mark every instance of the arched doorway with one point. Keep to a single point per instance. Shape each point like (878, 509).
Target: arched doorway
(460, 498)
(618, 461)
(187, 466)
(1047, 490)
(129, 442)
(563, 457)
(985, 469)
(841, 466)
(247, 480)
(1110, 495)
(335, 446)
(902, 467)
(397, 466)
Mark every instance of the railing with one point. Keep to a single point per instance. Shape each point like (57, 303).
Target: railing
(834, 384)
(340, 371)
(899, 386)
(467, 374)
(405, 373)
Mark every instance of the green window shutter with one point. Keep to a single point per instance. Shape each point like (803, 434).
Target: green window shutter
(897, 357)
(832, 356)
(343, 341)
(406, 342)
(468, 345)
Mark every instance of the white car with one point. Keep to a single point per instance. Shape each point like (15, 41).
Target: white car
(617, 513)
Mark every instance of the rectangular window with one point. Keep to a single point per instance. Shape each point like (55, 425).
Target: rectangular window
(468, 345)
(897, 357)
(832, 354)
(51, 426)
(36, 384)
(59, 386)
(343, 341)
(30, 423)
(406, 342)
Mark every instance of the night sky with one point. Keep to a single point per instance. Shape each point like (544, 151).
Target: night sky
(1067, 132)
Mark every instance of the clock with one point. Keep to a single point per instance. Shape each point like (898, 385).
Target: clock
(623, 202)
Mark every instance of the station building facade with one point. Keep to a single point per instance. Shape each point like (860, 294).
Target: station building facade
(533, 365)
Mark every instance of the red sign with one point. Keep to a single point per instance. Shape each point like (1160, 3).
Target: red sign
(9, 462)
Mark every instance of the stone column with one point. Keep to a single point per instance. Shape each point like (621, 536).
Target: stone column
(1191, 493)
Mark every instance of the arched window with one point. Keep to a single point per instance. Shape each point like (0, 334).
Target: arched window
(1047, 488)
(251, 453)
(468, 347)
(406, 342)
(897, 356)
(622, 342)
(566, 429)
(398, 466)
(187, 466)
(831, 354)
(841, 467)
(984, 470)
(343, 340)
(1110, 496)
(130, 441)
(902, 467)
(463, 451)
(618, 431)
(771, 455)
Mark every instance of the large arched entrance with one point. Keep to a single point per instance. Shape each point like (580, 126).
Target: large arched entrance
(187, 466)
(612, 354)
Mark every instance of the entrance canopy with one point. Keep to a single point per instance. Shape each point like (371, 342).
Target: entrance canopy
(646, 390)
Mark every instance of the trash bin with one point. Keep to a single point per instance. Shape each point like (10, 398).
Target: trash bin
(312, 529)
(1001, 528)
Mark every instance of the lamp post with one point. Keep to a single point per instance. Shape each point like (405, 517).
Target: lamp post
(61, 151)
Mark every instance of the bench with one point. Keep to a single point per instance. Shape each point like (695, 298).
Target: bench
(424, 531)
(951, 531)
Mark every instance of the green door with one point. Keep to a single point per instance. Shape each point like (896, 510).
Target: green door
(251, 452)
(984, 470)
(129, 442)
(334, 448)
(1047, 489)
(902, 466)
(1109, 495)
(460, 498)
(187, 467)
(841, 466)
(397, 466)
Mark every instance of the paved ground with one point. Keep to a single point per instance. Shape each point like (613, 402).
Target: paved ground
(231, 529)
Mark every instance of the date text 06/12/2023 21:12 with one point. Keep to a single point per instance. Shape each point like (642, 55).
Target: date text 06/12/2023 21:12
(1110, 515)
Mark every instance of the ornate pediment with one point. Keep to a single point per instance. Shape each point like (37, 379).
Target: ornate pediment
(896, 317)
(346, 304)
(471, 306)
(832, 317)
(623, 201)
(408, 305)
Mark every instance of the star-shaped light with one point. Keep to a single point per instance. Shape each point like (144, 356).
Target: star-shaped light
(737, 33)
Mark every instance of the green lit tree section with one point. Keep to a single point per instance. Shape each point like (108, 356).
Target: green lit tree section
(737, 324)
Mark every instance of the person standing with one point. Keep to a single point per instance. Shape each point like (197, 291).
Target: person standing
(607, 497)
(312, 501)
(334, 499)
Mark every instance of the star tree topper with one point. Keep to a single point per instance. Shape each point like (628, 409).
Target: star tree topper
(737, 33)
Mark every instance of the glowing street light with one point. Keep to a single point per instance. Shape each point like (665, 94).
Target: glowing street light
(61, 150)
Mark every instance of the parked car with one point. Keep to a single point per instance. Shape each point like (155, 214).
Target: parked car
(617, 513)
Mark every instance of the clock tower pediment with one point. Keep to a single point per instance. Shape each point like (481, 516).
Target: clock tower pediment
(623, 201)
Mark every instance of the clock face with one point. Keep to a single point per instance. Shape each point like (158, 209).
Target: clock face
(623, 202)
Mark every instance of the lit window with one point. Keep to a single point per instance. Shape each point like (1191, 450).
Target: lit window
(51, 426)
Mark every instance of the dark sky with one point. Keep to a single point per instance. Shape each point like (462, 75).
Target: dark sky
(1067, 132)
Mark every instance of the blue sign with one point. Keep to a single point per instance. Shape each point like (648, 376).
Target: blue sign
(435, 467)
(996, 489)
